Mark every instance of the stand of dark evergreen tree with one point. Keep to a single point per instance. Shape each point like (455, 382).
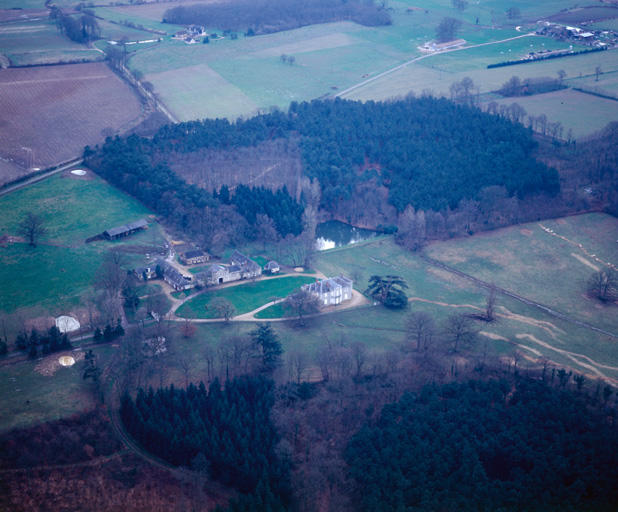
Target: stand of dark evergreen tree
(265, 17)
(228, 425)
(430, 153)
(487, 446)
(109, 333)
(45, 343)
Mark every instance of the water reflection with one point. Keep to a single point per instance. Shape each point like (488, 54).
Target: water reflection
(333, 234)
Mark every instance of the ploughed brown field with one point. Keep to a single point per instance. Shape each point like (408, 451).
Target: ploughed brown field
(50, 113)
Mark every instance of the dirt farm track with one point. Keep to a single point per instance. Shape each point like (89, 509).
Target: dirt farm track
(50, 113)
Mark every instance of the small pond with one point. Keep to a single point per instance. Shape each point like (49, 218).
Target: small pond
(333, 233)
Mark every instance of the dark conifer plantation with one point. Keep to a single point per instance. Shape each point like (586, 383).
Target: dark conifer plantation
(487, 446)
(229, 426)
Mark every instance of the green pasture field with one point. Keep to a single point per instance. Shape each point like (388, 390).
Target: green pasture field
(580, 69)
(199, 92)
(480, 57)
(74, 208)
(22, 4)
(56, 272)
(229, 78)
(245, 297)
(51, 397)
(232, 78)
(50, 277)
(550, 269)
(115, 32)
(383, 256)
(120, 14)
(151, 11)
(604, 25)
(421, 75)
(442, 293)
(567, 106)
(607, 83)
(40, 42)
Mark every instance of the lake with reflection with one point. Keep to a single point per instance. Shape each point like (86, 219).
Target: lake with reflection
(333, 234)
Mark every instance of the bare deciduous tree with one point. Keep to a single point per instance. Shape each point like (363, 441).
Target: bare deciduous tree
(298, 364)
(490, 304)
(302, 303)
(420, 328)
(459, 329)
(32, 227)
(223, 308)
(447, 29)
(359, 353)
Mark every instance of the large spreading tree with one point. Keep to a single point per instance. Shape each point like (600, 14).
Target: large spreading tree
(389, 290)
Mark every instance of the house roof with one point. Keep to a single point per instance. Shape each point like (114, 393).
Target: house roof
(162, 263)
(141, 270)
(196, 253)
(127, 227)
(176, 277)
(213, 269)
(328, 285)
(244, 262)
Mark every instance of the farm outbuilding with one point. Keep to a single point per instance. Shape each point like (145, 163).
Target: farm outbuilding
(126, 230)
(272, 267)
(193, 256)
(247, 267)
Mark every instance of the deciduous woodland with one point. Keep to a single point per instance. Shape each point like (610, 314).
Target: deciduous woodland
(265, 17)
(372, 160)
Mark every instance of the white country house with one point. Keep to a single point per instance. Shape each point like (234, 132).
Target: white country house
(331, 291)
